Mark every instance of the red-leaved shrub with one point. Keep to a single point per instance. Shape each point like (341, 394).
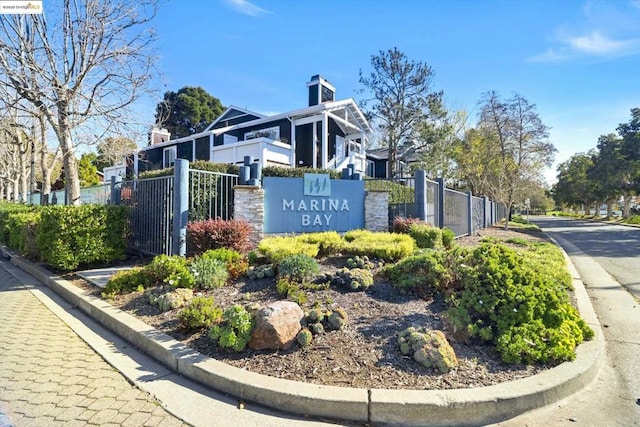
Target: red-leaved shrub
(217, 233)
(402, 225)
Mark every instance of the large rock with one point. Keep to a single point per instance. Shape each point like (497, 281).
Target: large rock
(276, 326)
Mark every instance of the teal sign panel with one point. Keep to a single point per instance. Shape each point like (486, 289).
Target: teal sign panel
(312, 204)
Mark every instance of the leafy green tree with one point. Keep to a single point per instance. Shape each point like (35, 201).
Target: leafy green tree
(87, 170)
(188, 111)
(574, 186)
(408, 113)
(630, 150)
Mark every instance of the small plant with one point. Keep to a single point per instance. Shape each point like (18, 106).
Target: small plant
(429, 348)
(304, 337)
(261, 272)
(291, 290)
(362, 262)
(315, 315)
(317, 328)
(338, 318)
(357, 279)
(200, 312)
(235, 330)
(448, 238)
(125, 281)
(171, 270)
(422, 274)
(381, 245)
(172, 299)
(236, 264)
(209, 273)
(299, 268)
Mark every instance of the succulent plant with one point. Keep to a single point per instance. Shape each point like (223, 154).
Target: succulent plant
(357, 279)
(338, 318)
(304, 337)
(315, 315)
(317, 328)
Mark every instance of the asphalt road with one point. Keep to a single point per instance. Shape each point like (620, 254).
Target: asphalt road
(607, 258)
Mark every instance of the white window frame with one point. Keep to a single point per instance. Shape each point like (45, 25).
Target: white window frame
(275, 130)
(169, 156)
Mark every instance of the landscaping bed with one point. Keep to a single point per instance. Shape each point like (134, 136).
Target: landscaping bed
(363, 354)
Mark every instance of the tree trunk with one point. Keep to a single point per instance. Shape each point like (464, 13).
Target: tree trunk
(72, 180)
(626, 208)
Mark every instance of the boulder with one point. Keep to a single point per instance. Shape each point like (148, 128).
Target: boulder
(276, 326)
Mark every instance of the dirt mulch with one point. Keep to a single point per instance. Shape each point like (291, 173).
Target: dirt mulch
(364, 354)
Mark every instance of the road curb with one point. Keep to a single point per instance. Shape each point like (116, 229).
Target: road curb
(476, 406)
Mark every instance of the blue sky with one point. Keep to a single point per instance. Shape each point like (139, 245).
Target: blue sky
(577, 60)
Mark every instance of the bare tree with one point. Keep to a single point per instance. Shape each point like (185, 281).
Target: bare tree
(87, 66)
(511, 146)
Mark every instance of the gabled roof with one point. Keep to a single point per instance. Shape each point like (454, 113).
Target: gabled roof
(345, 110)
(229, 112)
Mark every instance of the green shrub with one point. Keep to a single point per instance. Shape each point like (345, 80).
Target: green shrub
(22, 231)
(516, 305)
(200, 312)
(426, 236)
(448, 238)
(278, 248)
(633, 219)
(422, 274)
(235, 330)
(171, 270)
(398, 193)
(125, 281)
(386, 246)
(69, 236)
(282, 172)
(329, 242)
(298, 268)
(209, 272)
(236, 264)
(7, 209)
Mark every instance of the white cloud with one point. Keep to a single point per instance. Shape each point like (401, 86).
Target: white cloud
(597, 44)
(247, 8)
(604, 30)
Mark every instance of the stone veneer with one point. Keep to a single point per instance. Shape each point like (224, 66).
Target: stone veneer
(248, 206)
(376, 210)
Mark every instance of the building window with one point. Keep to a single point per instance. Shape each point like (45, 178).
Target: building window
(168, 157)
(229, 139)
(271, 133)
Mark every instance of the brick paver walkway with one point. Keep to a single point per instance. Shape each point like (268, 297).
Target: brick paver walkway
(50, 377)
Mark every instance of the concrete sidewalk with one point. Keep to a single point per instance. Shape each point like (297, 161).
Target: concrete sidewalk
(49, 376)
(59, 367)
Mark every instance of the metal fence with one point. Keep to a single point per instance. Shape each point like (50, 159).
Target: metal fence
(210, 195)
(456, 212)
(150, 214)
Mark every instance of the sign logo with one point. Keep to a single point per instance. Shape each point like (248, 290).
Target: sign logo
(317, 184)
(20, 7)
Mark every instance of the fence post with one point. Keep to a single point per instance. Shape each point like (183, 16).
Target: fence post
(116, 182)
(421, 194)
(180, 206)
(485, 219)
(470, 212)
(440, 197)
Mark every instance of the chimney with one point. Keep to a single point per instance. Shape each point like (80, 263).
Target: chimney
(158, 135)
(320, 90)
